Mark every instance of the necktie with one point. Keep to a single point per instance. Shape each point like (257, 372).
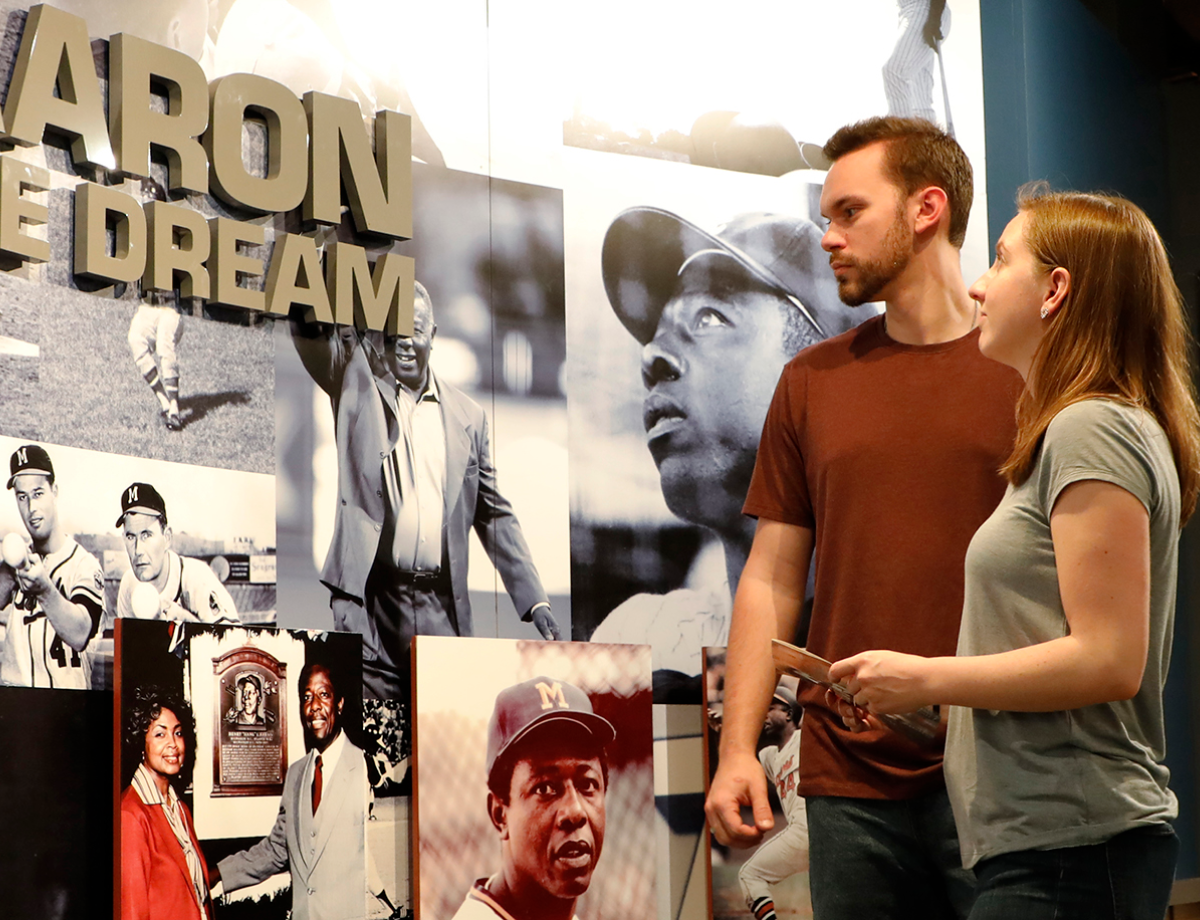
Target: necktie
(316, 786)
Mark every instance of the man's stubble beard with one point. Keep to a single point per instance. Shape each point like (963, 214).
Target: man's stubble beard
(871, 277)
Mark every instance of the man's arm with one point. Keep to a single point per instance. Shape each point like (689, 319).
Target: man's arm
(73, 621)
(502, 538)
(261, 861)
(769, 598)
(324, 351)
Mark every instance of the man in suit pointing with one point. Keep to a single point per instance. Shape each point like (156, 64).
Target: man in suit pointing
(318, 835)
(414, 478)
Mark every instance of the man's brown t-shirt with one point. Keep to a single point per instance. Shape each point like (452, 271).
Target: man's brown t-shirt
(890, 453)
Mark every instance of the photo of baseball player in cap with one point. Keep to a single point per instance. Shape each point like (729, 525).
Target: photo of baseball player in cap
(160, 583)
(717, 315)
(51, 591)
(547, 775)
(534, 796)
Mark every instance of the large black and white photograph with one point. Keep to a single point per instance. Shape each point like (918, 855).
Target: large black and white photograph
(770, 880)
(301, 851)
(122, 537)
(687, 293)
(422, 480)
(534, 782)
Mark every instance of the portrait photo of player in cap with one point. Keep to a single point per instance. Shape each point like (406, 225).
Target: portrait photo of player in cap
(532, 797)
(187, 589)
(51, 590)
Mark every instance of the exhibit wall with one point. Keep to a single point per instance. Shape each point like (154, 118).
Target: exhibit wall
(212, 230)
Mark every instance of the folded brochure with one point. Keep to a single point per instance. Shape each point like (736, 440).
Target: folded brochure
(920, 726)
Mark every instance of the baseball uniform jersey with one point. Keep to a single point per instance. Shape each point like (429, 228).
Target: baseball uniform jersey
(34, 654)
(786, 853)
(192, 592)
(479, 905)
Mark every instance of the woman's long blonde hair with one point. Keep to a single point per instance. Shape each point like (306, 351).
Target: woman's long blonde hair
(1121, 331)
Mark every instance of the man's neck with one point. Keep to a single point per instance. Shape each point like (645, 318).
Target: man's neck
(785, 735)
(322, 748)
(419, 390)
(531, 901)
(52, 544)
(928, 303)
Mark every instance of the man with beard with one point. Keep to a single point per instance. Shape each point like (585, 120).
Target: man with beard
(547, 774)
(717, 315)
(318, 835)
(878, 461)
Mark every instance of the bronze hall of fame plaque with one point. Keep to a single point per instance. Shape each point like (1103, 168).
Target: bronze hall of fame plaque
(250, 743)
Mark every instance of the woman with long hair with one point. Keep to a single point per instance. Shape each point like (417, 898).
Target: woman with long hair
(163, 872)
(1056, 739)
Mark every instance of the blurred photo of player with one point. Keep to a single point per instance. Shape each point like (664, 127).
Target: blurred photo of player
(52, 592)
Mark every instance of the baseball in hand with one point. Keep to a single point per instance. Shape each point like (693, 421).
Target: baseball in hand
(144, 601)
(12, 548)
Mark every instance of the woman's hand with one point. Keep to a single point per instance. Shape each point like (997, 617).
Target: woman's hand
(885, 682)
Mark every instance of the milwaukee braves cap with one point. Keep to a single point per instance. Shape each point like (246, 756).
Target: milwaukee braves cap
(30, 458)
(142, 498)
(536, 702)
(646, 250)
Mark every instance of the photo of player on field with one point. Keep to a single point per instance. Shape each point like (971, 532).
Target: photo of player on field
(770, 880)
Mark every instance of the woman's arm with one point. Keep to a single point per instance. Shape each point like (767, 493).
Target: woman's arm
(1101, 537)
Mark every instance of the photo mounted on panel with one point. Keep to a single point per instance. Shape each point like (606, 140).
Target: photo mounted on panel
(772, 876)
(56, 787)
(242, 777)
(534, 778)
(489, 257)
(125, 537)
(687, 291)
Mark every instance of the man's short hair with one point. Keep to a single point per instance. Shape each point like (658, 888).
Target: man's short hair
(306, 673)
(917, 154)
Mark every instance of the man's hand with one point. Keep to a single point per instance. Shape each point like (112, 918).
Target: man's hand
(32, 577)
(543, 619)
(739, 781)
(884, 682)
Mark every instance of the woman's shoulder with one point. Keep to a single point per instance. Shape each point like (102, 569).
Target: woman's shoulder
(132, 805)
(1100, 414)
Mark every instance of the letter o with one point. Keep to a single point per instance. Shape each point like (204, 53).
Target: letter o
(286, 182)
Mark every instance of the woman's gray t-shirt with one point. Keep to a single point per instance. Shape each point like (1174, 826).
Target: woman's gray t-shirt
(1043, 780)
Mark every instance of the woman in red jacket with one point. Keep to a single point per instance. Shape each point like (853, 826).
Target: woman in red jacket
(163, 873)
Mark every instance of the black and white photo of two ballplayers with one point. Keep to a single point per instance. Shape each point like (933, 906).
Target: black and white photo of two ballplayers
(90, 537)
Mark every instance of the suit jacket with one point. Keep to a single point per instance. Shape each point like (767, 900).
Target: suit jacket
(327, 857)
(349, 366)
(155, 881)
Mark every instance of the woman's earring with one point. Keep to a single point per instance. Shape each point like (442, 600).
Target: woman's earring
(1045, 312)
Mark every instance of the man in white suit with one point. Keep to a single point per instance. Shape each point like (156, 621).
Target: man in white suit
(318, 835)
